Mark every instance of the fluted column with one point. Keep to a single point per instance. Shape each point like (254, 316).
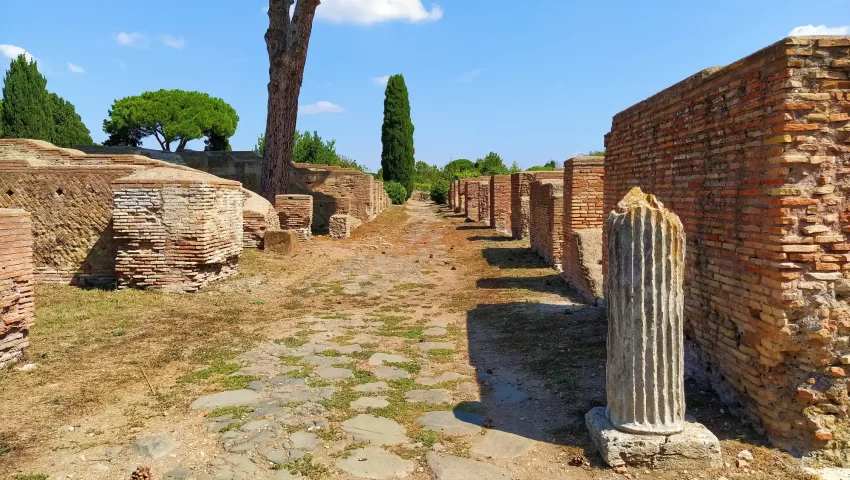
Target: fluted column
(645, 370)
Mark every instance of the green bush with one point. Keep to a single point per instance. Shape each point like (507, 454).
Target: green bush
(396, 191)
(440, 191)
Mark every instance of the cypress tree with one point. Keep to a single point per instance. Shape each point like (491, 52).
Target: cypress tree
(397, 135)
(69, 131)
(26, 103)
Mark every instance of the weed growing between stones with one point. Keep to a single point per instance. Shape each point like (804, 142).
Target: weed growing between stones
(305, 467)
(291, 342)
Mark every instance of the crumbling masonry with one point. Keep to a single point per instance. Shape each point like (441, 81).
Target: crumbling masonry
(582, 225)
(520, 199)
(16, 284)
(545, 218)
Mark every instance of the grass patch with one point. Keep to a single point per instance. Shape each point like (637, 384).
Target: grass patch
(292, 361)
(409, 367)
(238, 382)
(31, 476)
(426, 437)
(331, 353)
(337, 316)
(362, 354)
(440, 353)
(305, 467)
(292, 342)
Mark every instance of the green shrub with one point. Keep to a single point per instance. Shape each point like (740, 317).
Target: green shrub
(396, 191)
(439, 191)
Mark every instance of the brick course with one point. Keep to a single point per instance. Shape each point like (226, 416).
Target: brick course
(545, 218)
(484, 200)
(753, 158)
(16, 284)
(258, 216)
(500, 203)
(520, 201)
(295, 213)
(583, 192)
(471, 202)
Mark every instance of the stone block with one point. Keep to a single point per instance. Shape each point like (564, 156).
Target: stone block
(341, 226)
(695, 448)
(283, 242)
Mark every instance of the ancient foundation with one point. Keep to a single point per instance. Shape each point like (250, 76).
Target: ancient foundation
(752, 158)
(295, 212)
(500, 203)
(644, 423)
(521, 200)
(176, 230)
(546, 212)
(582, 225)
(16, 284)
(258, 216)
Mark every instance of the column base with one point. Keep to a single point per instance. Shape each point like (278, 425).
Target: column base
(694, 448)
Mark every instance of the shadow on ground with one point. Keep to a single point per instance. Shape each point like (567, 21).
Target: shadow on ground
(476, 238)
(512, 257)
(473, 227)
(546, 284)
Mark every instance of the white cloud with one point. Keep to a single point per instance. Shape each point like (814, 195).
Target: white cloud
(367, 12)
(320, 107)
(809, 30)
(174, 42)
(13, 51)
(469, 76)
(134, 39)
(381, 81)
(75, 68)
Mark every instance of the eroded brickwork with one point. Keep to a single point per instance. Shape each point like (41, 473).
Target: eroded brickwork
(295, 213)
(176, 230)
(500, 203)
(343, 225)
(335, 190)
(520, 200)
(16, 284)
(754, 157)
(460, 206)
(258, 217)
(484, 200)
(583, 191)
(546, 215)
(471, 203)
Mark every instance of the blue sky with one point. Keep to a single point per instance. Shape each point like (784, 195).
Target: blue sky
(533, 80)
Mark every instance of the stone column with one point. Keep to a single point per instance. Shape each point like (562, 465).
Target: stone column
(645, 372)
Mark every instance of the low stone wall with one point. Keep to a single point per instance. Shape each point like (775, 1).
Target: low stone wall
(335, 190)
(16, 284)
(753, 158)
(500, 203)
(258, 217)
(176, 230)
(545, 218)
(484, 200)
(520, 199)
(583, 192)
(295, 213)
(343, 225)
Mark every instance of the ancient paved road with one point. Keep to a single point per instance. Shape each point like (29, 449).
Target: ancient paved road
(423, 347)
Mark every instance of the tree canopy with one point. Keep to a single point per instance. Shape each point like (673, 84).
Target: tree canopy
(548, 166)
(26, 109)
(69, 131)
(491, 164)
(171, 116)
(397, 135)
(310, 148)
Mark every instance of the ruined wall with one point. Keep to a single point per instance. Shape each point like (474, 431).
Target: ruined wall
(461, 197)
(258, 216)
(295, 212)
(16, 284)
(753, 158)
(176, 230)
(334, 190)
(583, 191)
(500, 203)
(243, 167)
(484, 200)
(544, 222)
(520, 201)
(471, 203)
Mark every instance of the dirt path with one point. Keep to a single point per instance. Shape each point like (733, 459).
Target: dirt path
(423, 347)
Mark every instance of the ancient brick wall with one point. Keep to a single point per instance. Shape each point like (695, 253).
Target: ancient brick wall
(334, 190)
(16, 284)
(471, 203)
(583, 191)
(452, 193)
(753, 158)
(176, 230)
(500, 203)
(520, 201)
(460, 207)
(295, 213)
(484, 200)
(258, 216)
(546, 213)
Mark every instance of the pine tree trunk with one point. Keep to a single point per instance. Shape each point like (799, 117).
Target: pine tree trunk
(286, 40)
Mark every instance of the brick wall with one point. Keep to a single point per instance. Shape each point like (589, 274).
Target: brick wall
(484, 200)
(471, 202)
(753, 158)
(546, 213)
(583, 191)
(295, 213)
(460, 207)
(520, 201)
(334, 190)
(16, 279)
(500, 203)
(258, 216)
(176, 230)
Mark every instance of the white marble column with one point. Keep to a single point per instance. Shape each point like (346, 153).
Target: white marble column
(645, 371)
